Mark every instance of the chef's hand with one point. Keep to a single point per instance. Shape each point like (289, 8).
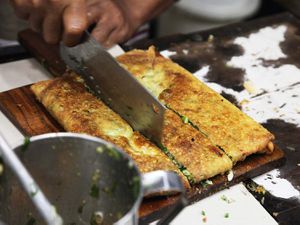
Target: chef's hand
(55, 19)
(115, 20)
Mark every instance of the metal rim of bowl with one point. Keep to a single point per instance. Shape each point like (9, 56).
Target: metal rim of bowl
(135, 207)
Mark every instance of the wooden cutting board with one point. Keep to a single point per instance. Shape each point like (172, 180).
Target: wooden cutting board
(31, 118)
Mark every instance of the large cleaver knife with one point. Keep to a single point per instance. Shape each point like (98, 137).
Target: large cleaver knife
(115, 86)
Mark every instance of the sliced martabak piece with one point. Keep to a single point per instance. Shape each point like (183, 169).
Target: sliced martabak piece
(77, 110)
(196, 155)
(206, 110)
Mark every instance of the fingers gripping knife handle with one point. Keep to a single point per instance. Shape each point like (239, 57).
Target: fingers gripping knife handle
(40, 201)
(166, 183)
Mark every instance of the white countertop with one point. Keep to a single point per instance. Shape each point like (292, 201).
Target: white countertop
(243, 208)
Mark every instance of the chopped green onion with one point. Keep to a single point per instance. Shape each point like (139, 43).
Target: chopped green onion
(26, 143)
(185, 119)
(94, 192)
(100, 149)
(224, 198)
(31, 220)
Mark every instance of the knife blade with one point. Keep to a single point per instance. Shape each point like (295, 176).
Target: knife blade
(119, 89)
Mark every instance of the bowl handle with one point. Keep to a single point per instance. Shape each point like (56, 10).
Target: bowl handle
(158, 183)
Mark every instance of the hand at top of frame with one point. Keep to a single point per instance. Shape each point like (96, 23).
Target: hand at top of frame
(115, 21)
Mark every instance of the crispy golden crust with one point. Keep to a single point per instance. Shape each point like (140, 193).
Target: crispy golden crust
(225, 125)
(79, 111)
(192, 149)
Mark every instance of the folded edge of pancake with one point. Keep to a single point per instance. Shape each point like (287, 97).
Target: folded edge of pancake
(68, 101)
(225, 125)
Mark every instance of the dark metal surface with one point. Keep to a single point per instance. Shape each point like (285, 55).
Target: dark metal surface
(292, 6)
(116, 87)
(285, 211)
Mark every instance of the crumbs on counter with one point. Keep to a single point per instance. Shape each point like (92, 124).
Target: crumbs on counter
(244, 102)
(256, 188)
(249, 86)
(230, 175)
(226, 199)
(203, 213)
(204, 217)
(206, 183)
(275, 185)
(260, 190)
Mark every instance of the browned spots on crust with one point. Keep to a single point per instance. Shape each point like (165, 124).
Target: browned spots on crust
(77, 110)
(225, 125)
(216, 150)
(133, 59)
(192, 149)
(185, 144)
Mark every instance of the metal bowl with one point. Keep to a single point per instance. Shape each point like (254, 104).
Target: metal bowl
(89, 181)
